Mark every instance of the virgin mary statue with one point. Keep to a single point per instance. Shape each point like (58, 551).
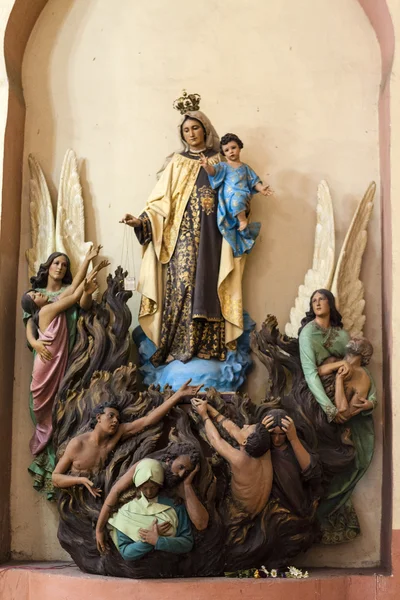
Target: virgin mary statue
(189, 280)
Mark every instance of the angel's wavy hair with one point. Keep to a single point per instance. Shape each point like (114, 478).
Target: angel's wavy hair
(40, 279)
(29, 306)
(335, 318)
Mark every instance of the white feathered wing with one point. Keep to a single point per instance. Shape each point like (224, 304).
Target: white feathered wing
(42, 218)
(321, 273)
(347, 286)
(70, 223)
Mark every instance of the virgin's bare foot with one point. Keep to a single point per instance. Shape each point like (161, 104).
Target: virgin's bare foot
(242, 225)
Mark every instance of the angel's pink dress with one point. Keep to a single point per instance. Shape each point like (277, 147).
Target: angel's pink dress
(46, 379)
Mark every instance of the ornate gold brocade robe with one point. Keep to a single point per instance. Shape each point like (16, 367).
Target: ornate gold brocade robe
(191, 284)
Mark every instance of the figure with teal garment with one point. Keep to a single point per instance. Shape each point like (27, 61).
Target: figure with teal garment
(152, 520)
(53, 278)
(326, 350)
(236, 183)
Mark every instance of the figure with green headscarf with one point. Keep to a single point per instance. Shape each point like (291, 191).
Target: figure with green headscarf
(180, 464)
(152, 521)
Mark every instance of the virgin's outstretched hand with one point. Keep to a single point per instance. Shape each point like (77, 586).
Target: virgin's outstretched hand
(130, 220)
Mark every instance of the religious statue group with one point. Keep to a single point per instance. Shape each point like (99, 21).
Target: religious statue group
(189, 480)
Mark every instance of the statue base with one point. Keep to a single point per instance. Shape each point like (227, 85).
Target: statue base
(43, 581)
(224, 376)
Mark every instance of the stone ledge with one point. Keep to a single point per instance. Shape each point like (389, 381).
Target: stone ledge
(63, 581)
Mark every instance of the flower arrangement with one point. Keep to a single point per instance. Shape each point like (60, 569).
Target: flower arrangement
(263, 573)
(290, 573)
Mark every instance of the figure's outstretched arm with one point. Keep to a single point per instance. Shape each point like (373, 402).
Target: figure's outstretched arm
(51, 310)
(119, 486)
(81, 274)
(130, 220)
(231, 427)
(86, 299)
(129, 429)
(216, 441)
(265, 190)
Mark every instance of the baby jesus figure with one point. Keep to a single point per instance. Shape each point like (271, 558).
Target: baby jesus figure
(236, 183)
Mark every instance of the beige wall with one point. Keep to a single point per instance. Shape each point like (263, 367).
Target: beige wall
(298, 81)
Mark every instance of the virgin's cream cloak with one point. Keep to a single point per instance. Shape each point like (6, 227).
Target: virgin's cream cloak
(165, 209)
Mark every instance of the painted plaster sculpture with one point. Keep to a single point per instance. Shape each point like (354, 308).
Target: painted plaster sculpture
(66, 233)
(191, 285)
(58, 247)
(51, 340)
(344, 280)
(343, 435)
(198, 509)
(236, 182)
(211, 532)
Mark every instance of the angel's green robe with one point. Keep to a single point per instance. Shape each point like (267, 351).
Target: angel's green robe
(338, 518)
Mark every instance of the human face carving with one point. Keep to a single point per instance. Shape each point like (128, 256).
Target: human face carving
(232, 151)
(109, 420)
(181, 466)
(278, 437)
(39, 299)
(193, 134)
(149, 489)
(58, 268)
(320, 305)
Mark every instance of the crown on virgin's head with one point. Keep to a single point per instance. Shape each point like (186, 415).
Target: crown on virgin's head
(187, 102)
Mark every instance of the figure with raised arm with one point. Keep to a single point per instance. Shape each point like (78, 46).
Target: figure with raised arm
(236, 183)
(48, 317)
(180, 464)
(297, 471)
(87, 453)
(250, 464)
(53, 278)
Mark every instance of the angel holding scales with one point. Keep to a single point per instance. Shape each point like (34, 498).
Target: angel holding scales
(190, 282)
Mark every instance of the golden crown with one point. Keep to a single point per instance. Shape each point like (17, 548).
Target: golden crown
(187, 102)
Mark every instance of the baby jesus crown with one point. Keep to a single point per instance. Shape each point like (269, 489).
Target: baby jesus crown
(187, 102)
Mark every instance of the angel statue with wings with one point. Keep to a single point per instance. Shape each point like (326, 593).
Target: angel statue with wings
(58, 250)
(325, 350)
(334, 357)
